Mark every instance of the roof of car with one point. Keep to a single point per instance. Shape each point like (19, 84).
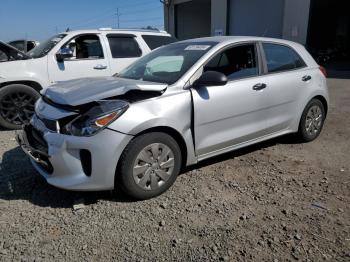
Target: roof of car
(232, 39)
(124, 31)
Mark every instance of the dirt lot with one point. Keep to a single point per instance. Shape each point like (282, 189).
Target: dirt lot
(277, 201)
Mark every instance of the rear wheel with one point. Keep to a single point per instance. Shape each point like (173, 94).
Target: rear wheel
(312, 120)
(149, 165)
(16, 105)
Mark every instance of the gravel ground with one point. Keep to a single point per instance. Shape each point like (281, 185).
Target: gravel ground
(276, 201)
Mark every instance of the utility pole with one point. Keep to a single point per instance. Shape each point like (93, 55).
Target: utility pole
(118, 15)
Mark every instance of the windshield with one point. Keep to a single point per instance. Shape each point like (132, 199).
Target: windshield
(42, 49)
(167, 64)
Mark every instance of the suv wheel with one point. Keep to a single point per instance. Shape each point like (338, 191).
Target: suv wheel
(312, 120)
(16, 105)
(149, 165)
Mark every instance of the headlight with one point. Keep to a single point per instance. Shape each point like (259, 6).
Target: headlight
(97, 118)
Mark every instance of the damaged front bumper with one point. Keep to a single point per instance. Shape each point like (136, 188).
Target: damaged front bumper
(37, 154)
(74, 163)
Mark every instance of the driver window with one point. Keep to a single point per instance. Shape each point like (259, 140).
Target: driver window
(86, 47)
(236, 62)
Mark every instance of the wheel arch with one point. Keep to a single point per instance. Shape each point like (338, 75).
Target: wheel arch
(174, 134)
(35, 85)
(323, 101)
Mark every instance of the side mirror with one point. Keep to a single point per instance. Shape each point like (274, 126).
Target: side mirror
(64, 53)
(211, 78)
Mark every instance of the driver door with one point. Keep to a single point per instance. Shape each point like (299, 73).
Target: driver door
(88, 60)
(225, 116)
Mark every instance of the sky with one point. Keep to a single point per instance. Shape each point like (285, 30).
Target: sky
(40, 19)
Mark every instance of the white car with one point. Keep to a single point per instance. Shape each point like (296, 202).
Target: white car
(66, 56)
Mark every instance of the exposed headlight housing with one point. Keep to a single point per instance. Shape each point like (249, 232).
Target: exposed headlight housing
(96, 119)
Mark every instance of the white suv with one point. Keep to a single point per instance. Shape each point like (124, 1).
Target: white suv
(69, 55)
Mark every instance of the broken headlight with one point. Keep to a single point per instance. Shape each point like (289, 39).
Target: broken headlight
(96, 118)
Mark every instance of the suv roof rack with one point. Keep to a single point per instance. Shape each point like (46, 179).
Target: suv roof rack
(132, 29)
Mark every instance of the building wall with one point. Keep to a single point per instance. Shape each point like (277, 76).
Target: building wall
(286, 19)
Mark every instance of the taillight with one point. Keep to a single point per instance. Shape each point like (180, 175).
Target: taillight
(323, 70)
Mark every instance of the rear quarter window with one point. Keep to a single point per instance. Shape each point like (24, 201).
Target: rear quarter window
(155, 41)
(281, 58)
(124, 46)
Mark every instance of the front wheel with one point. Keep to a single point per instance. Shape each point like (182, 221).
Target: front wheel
(311, 121)
(149, 165)
(16, 105)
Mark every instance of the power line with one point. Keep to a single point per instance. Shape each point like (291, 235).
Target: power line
(141, 20)
(139, 11)
(107, 15)
(118, 16)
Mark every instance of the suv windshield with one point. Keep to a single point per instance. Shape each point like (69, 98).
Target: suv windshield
(42, 49)
(167, 64)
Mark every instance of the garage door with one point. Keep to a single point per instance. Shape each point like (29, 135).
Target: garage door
(192, 19)
(256, 17)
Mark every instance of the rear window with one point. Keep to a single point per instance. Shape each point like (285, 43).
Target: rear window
(155, 41)
(124, 47)
(281, 58)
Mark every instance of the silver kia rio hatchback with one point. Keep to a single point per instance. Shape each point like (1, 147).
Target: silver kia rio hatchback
(180, 104)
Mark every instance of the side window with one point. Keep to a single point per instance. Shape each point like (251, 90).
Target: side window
(3, 56)
(281, 58)
(124, 47)
(86, 47)
(30, 45)
(155, 41)
(236, 62)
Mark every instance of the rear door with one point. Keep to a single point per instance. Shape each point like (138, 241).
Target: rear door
(285, 78)
(89, 59)
(124, 50)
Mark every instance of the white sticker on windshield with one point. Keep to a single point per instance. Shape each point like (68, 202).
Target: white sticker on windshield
(197, 47)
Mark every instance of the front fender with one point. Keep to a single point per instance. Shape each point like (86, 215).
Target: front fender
(171, 110)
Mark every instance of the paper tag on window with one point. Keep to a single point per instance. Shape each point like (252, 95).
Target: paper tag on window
(197, 47)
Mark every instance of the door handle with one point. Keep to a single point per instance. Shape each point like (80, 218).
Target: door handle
(306, 78)
(100, 67)
(259, 86)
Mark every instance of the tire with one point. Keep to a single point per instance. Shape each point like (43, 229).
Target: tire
(16, 105)
(311, 121)
(139, 178)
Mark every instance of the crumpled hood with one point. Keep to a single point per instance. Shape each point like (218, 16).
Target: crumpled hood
(81, 91)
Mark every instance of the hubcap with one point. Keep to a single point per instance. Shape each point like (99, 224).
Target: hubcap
(153, 166)
(314, 120)
(17, 107)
